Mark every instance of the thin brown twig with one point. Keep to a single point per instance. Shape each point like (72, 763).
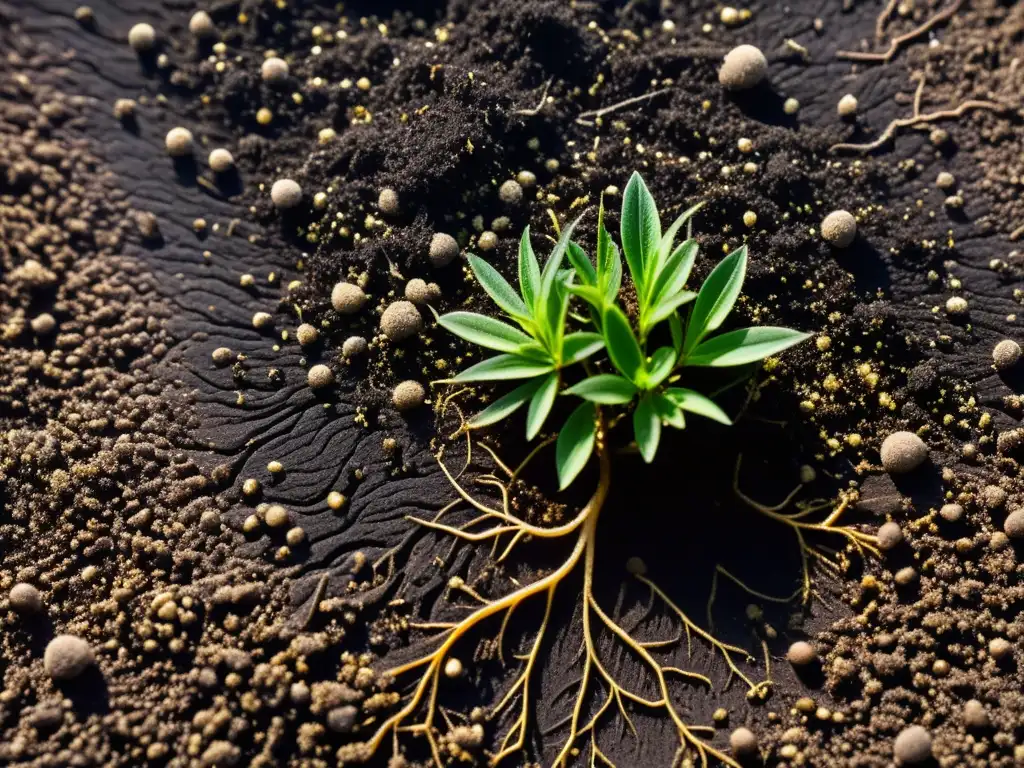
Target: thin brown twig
(597, 114)
(897, 42)
(907, 122)
(883, 19)
(540, 104)
(918, 94)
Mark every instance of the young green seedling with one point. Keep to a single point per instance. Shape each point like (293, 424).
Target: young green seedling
(643, 380)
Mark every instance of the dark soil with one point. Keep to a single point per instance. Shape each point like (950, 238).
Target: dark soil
(134, 470)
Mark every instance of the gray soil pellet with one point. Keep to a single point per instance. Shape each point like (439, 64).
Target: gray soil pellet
(839, 229)
(342, 719)
(347, 298)
(320, 376)
(419, 291)
(179, 142)
(913, 746)
(221, 161)
(1006, 354)
(408, 395)
(285, 194)
(26, 599)
(890, 535)
(142, 37)
(743, 742)
(44, 324)
(354, 346)
(67, 656)
(1013, 526)
(387, 201)
(903, 452)
(443, 249)
(274, 70)
(744, 67)
(510, 192)
(401, 320)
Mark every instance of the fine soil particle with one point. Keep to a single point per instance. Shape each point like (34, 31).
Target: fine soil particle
(370, 149)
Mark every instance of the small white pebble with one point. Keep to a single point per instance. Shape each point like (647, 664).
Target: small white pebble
(847, 106)
(142, 37)
(274, 70)
(179, 142)
(743, 68)
(221, 161)
(285, 194)
(957, 305)
(201, 25)
(1006, 354)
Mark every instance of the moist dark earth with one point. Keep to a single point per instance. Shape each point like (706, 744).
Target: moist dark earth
(235, 547)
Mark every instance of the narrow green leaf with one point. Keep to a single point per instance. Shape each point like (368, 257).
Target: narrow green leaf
(581, 263)
(506, 405)
(667, 411)
(540, 405)
(622, 345)
(501, 367)
(675, 327)
(717, 296)
(499, 289)
(646, 428)
(485, 331)
(609, 263)
(575, 444)
(589, 294)
(640, 230)
(666, 307)
(697, 403)
(662, 362)
(605, 388)
(548, 279)
(529, 270)
(746, 345)
(676, 271)
(666, 247)
(580, 345)
(555, 312)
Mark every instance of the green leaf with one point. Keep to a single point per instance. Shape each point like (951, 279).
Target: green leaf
(609, 264)
(529, 270)
(665, 247)
(555, 311)
(676, 271)
(746, 345)
(717, 296)
(695, 402)
(581, 263)
(502, 367)
(506, 405)
(662, 362)
(540, 405)
(575, 444)
(580, 345)
(605, 388)
(546, 302)
(622, 345)
(499, 289)
(646, 428)
(667, 411)
(675, 327)
(589, 294)
(640, 230)
(666, 307)
(485, 331)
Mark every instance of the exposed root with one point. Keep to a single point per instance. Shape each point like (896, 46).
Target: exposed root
(917, 119)
(540, 104)
(592, 116)
(898, 42)
(597, 678)
(863, 543)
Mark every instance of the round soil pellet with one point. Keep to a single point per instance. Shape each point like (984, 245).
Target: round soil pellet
(221, 161)
(839, 229)
(401, 320)
(743, 743)
(443, 249)
(408, 395)
(387, 201)
(744, 67)
(347, 298)
(201, 25)
(847, 106)
(342, 719)
(1006, 354)
(975, 715)
(951, 512)
(142, 37)
(890, 536)
(903, 452)
(274, 70)
(26, 599)
(354, 346)
(179, 142)
(285, 194)
(801, 654)
(1013, 526)
(511, 192)
(67, 656)
(913, 746)
(307, 335)
(277, 516)
(320, 376)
